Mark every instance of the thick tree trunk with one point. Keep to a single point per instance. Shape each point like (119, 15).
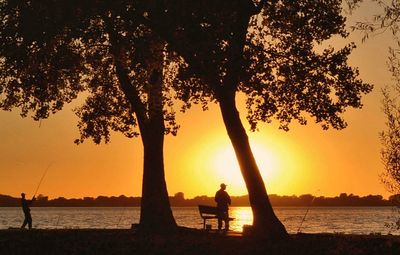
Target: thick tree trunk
(155, 213)
(265, 222)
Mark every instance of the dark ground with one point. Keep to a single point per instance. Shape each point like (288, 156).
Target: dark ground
(187, 241)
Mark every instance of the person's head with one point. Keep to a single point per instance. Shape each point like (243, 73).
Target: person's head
(23, 195)
(223, 186)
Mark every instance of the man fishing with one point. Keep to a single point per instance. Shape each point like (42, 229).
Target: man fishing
(27, 211)
(26, 203)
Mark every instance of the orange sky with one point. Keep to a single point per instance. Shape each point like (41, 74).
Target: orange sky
(304, 160)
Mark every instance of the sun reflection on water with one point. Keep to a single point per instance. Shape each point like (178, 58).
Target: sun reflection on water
(242, 215)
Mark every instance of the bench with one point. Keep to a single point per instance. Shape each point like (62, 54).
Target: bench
(209, 212)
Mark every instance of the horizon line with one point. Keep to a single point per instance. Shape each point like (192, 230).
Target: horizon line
(169, 195)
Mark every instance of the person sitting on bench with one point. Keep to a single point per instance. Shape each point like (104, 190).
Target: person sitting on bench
(223, 201)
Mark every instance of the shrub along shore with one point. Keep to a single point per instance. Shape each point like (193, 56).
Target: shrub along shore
(179, 200)
(187, 241)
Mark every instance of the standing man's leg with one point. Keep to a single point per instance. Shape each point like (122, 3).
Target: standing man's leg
(220, 216)
(29, 221)
(25, 222)
(226, 218)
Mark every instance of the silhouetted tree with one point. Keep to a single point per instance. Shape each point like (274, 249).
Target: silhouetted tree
(276, 200)
(9, 201)
(180, 196)
(266, 50)
(306, 199)
(395, 200)
(390, 139)
(387, 20)
(50, 51)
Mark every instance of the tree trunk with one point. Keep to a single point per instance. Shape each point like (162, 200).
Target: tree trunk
(265, 222)
(155, 212)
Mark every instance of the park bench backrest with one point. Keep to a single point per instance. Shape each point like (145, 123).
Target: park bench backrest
(205, 209)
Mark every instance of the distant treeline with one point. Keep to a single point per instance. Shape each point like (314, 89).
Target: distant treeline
(179, 200)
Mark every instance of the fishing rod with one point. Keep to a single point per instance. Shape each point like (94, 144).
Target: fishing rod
(120, 218)
(305, 215)
(58, 220)
(41, 179)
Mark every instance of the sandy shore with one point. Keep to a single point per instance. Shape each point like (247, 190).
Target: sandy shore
(186, 241)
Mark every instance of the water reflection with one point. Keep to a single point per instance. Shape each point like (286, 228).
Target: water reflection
(349, 220)
(243, 216)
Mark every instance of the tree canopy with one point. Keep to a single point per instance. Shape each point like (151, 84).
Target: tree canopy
(284, 68)
(54, 50)
(271, 52)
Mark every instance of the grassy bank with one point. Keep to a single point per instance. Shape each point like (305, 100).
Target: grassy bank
(91, 241)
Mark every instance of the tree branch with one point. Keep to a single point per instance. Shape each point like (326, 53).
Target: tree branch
(258, 8)
(176, 45)
(130, 91)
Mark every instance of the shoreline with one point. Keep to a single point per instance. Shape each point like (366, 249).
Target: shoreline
(358, 221)
(187, 241)
(195, 206)
(179, 200)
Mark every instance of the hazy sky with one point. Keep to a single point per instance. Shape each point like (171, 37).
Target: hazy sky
(304, 160)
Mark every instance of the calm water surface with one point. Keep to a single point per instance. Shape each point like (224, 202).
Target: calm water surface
(349, 220)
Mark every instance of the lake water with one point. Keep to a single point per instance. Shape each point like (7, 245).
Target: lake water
(349, 220)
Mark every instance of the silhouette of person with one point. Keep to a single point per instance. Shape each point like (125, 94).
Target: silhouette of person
(223, 201)
(27, 211)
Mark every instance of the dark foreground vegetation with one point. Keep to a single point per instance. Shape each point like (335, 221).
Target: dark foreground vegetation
(187, 241)
(179, 200)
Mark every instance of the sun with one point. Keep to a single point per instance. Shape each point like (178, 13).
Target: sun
(227, 168)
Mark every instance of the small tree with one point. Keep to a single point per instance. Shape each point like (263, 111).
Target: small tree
(390, 139)
(388, 20)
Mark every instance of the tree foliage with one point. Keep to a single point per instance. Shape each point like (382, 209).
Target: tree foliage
(52, 51)
(390, 139)
(388, 20)
(296, 78)
(268, 50)
(280, 68)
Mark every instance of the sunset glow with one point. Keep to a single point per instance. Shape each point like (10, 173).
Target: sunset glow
(302, 161)
(227, 168)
